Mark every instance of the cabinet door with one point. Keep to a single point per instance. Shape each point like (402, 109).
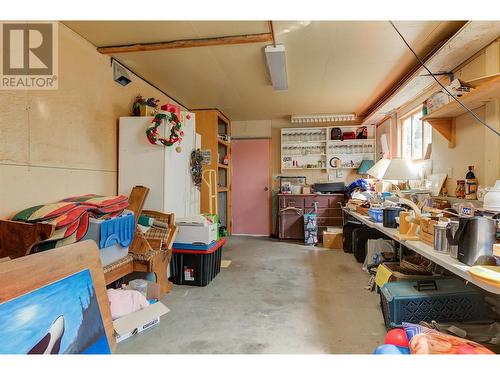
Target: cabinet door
(335, 200)
(291, 226)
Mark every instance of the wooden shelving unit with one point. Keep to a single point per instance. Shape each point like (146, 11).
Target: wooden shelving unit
(443, 119)
(210, 124)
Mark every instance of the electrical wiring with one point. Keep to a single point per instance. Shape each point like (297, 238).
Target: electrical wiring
(440, 84)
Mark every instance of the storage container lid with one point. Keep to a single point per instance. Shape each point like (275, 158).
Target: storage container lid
(408, 289)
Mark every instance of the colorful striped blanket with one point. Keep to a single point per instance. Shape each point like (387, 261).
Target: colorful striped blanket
(70, 217)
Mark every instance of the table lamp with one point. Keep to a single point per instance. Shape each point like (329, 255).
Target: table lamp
(393, 169)
(379, 169)
(400, 169)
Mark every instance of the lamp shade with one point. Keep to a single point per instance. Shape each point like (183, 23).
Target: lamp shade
(378, 169)
(365, 166)
(400, 169)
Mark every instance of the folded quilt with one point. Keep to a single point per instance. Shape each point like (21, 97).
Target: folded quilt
(71, 217)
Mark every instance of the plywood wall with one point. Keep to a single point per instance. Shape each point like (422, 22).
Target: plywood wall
(59, 143)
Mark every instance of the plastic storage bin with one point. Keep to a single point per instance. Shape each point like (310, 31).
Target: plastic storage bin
(117, 230)
(196, 267)
(196, 233)
(376, 214)
(448, 300)
(112, 236)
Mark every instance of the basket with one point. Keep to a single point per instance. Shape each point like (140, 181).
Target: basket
(416, 265)
(362, 210)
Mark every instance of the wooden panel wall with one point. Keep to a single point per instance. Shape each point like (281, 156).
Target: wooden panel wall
(64, 142)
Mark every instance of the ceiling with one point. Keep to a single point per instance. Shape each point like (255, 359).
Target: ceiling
(333, 66)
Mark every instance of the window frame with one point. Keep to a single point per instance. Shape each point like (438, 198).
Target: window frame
(401, 121)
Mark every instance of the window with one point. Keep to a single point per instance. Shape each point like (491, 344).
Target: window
(415, 136)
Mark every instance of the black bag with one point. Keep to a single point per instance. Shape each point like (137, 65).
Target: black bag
(362, 132)
(349, 226)
(336, 134)
(360, 237)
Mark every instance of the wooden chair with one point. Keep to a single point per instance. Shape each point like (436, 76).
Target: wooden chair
(150, 251)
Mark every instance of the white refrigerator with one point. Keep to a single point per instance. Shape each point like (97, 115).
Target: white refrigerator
(163, 170)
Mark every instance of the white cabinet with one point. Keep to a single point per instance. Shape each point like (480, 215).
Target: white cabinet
(163, 170)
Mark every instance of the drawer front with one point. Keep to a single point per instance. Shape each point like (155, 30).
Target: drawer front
(329, 221)
(309, 202)
(291, 202)
(335, 200)
(325, 212)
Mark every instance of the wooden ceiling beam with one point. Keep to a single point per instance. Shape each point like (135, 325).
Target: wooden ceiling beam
(188, 43)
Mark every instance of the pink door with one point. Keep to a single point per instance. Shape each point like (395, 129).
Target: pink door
(250, 183)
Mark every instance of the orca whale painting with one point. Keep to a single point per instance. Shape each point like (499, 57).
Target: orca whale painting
(61, 317)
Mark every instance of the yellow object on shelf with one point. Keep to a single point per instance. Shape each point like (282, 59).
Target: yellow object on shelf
(489, 274)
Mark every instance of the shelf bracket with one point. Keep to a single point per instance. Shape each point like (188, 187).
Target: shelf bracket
(446, 127)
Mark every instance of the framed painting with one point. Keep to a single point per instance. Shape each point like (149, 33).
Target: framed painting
(55, 302)
(61, 317)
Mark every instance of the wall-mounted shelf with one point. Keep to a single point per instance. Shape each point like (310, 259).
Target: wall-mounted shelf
(333, 169)
(221, 142)
(354, 153)
(222, 189)
(346, 141)
(443, 118)
(300, 142)
(298, 169)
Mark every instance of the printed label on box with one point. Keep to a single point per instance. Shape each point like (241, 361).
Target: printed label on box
(189, 274)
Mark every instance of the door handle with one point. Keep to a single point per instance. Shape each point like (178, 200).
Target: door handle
(266, 188)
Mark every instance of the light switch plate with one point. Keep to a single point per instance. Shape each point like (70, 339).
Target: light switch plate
(340, 173)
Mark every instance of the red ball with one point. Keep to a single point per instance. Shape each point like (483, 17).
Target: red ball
(397, 337)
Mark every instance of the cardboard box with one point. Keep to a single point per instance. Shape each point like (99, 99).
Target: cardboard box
(196, 233)
(333, 240)
(129, 325)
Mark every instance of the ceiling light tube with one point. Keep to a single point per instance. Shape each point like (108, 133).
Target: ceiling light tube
(276, 63)
(342, 117)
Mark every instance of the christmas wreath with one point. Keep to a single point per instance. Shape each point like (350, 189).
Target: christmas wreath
(176, 132)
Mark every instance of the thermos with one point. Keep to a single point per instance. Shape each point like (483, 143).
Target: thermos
(440, 241)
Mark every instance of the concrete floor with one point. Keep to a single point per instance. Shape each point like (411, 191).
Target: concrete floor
(276, 297)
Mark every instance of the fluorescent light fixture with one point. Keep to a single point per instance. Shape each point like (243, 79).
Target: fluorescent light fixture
(332, 117)
(276, 63)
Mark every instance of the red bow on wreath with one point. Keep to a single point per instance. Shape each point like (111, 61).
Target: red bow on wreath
(176, 132)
